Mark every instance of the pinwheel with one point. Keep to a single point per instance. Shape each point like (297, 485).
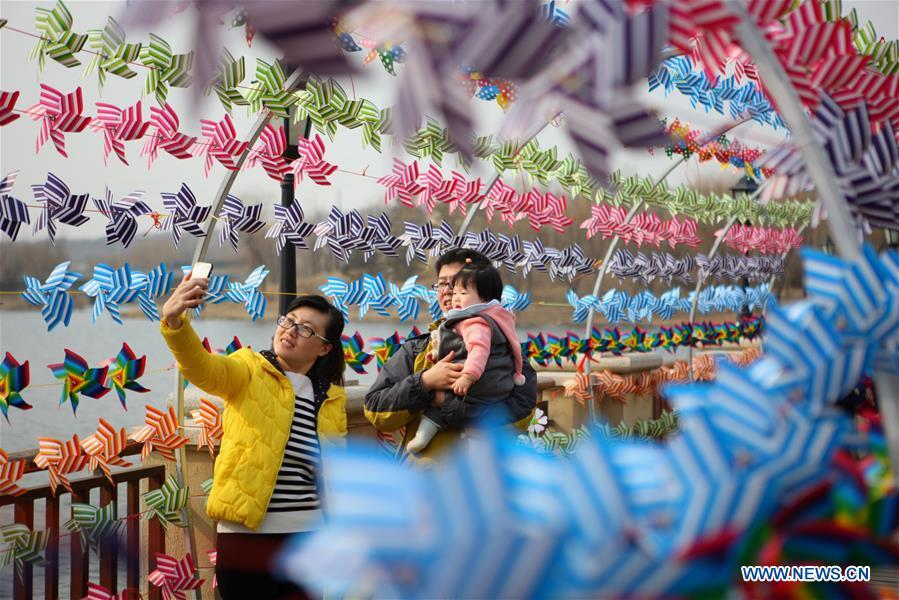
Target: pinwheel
(160, 433)
(311, 162)
(219, 143)
(213, 559)
(403, 183)
(384, 348)
(165, 68)
(354, 355)
(58, 114)
(79, 379)
(226, 82)
(167, 137)
(59, 204)
(431, 141)
(183, 213)
(168, 502)
(118, 126)
(111, 53)
(268, 92)
(239, 217)
(112, 287)
(57, 40)
(158, 285)
(289, 227)
(96, 591)
(436, 189)
(248, 292)
(7, 105)
(745, 238)
(53, 295)
(345, 233)
(60, 459)
(124, 371)
(122, 215)
(269, 153)
(514, 300)
(22, 545)
(104, 448)
(231, 348)
(174, 577)
(209, 418)
(14, 378)
(10, 473)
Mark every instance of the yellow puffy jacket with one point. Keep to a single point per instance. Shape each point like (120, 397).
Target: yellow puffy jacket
(259, 406)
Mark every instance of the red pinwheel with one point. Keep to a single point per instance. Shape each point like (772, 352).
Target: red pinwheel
(60, 459)
(118, 126)
(160, 433)
(269, 152)
(173, 576)
(167, 137)
(59, 114)
(7, 105)
(220, 143)
(311, 162)
(10, 473)
(209, 417)
(103, 448)
(98, 592)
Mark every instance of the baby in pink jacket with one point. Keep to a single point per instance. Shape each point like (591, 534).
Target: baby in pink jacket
(482, 334)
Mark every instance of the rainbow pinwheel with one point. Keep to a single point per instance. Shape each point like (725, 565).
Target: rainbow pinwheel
(183, 214)
(10, 473)
(289, 227)
(60, 459)
(504, 91)
(220, 143)
(124, 371)
(160, 433)
(53, 295)
(248, 293)
(7, 105)
(174, 577)
(118, 126)
(167, 137)
(354, 355)
(58, 114)
(122, 215)
(231, 348)
(209, 418)
(239, 217)
(111, 287)
(59, 204)
(311, 162)
(384, 348)
(79, 379)
(104, 448)
(13, 212)
(13, 379)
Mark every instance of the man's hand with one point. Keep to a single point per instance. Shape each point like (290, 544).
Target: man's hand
(442, 375)
(460, 388)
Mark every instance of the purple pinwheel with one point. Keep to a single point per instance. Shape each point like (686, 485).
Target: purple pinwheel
(183, 213)
(289, 227)
(239, 218)
(122, 215)
(59, 204)
(13, 212)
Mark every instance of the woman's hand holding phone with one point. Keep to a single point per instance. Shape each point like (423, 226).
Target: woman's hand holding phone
(189, 294)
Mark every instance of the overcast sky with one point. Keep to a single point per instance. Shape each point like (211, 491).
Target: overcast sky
(84, 170)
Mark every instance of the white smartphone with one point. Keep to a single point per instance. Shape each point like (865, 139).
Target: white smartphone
(201, 270)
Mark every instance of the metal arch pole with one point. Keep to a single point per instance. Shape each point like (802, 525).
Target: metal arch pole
(295, 80)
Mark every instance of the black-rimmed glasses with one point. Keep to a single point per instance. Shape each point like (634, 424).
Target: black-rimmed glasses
(301, 329)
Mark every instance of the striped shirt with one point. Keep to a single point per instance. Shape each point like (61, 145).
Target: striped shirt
(295, 504)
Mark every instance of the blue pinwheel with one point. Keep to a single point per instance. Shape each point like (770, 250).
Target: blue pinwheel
(53, 295)
(514, 300)
(248, 292)
(112, 287)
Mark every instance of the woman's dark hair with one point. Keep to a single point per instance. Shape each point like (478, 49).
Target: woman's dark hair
(486, 280)
(461, 256)
(329, 367)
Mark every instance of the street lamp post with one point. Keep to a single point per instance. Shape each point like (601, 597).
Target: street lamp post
(745, 186)
(288, 286)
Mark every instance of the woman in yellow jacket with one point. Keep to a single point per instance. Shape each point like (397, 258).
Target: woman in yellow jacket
(277, 401)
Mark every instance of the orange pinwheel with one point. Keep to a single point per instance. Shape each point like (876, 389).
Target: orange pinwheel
(10, 473)
(60, 459)
(104, 448)
(160, 433)
(210, 418)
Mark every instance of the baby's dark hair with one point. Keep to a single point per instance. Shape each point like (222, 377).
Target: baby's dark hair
(486, 280)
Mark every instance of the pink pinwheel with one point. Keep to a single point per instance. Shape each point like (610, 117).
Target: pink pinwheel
(547, 209)
(402, 183)
(269, 152)
(7, 105)
(60, 459)
(220, 143)
(209, 417)
(10, 473)
(118, 126)
(213, 559)
(59, 114)
(682, 232)
(160, 433)
(103, 449)
(167, 137)
(173, 576)
(466, 192)
(98, 592)
(705, 29)
(311, 162)
(436, 189)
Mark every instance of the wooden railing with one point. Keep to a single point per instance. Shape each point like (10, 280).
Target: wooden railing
(135, 550)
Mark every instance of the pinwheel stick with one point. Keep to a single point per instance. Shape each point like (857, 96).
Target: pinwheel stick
(700, 280)
(296, 79)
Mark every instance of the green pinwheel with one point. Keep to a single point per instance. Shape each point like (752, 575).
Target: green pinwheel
(93, 524)
(168, 503)
(231, 74)
(57, 40)
(166, 68)
(111, 53)
(22, 545)
(268, 90)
